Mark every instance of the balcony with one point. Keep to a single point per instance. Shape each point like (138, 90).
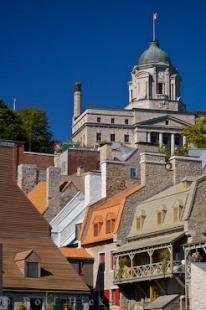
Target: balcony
(147, 272)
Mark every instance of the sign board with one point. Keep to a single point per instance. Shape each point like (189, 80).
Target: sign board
(4, 303)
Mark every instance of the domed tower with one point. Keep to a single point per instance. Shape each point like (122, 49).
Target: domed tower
(155, 82)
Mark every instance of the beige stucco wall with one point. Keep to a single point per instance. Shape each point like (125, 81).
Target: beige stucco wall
(108, 274)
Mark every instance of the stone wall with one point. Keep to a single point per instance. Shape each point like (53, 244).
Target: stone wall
(59, 201)
(53, 183)
(27, 177)
(115, 174)
(198, 286)
(185, 166)
(155, 178)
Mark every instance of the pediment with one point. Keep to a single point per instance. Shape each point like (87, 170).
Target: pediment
(166, 121)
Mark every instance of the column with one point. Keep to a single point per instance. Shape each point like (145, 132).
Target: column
(160, 139)
(184, 140)
(172, 143)
(149, 137)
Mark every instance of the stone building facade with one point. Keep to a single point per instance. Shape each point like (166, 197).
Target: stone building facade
(155, 112)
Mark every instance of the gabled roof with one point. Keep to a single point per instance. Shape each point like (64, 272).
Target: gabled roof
(149, 242)
(113, 205)
(23, 228)
(22, 255)
(156, 120)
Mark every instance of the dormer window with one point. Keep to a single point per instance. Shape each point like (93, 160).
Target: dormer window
(110, 223)
(97, 225)
(161, 216)
(140, 220)
(177, 212)
(28, 263)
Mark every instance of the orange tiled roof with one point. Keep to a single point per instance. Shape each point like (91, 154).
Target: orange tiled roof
(38, 197)
(75, 253)
(104, 209)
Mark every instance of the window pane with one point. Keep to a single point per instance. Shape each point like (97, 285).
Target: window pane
(112, 137)
(32, 270)
(98, 137)
(126, 138)
(133, 173)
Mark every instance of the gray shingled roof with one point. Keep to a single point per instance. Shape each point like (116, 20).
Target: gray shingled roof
(149, 242)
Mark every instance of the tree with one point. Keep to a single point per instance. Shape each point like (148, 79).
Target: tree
(10, 124)
(37, 134)
(196, 134)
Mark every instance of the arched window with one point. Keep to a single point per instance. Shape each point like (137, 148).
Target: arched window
(110, 222)
(97, 225)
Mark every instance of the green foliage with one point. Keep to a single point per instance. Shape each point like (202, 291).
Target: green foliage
(165, 151)
(29, 125)
(10, 125)
(122, 264)
(37, 134)
(196, 134)
(181, 150)
(165, 258)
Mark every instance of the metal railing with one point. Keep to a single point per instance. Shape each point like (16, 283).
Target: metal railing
(149, 271)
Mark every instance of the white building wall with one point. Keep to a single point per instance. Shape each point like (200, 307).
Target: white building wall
(93, 187)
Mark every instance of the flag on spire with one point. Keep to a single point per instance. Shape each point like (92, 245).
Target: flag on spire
(155, 15)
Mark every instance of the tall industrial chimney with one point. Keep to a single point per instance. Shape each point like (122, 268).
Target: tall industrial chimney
(77, 99)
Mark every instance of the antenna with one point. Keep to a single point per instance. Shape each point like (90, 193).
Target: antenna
(155, 15)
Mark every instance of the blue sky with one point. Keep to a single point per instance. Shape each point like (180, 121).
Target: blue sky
(47, 45)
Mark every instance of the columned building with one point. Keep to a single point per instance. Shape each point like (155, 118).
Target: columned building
(155, 112)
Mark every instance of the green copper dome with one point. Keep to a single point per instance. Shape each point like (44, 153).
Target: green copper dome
(154, 55)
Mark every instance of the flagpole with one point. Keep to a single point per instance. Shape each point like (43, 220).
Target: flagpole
(154, 17)
(14, 104)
